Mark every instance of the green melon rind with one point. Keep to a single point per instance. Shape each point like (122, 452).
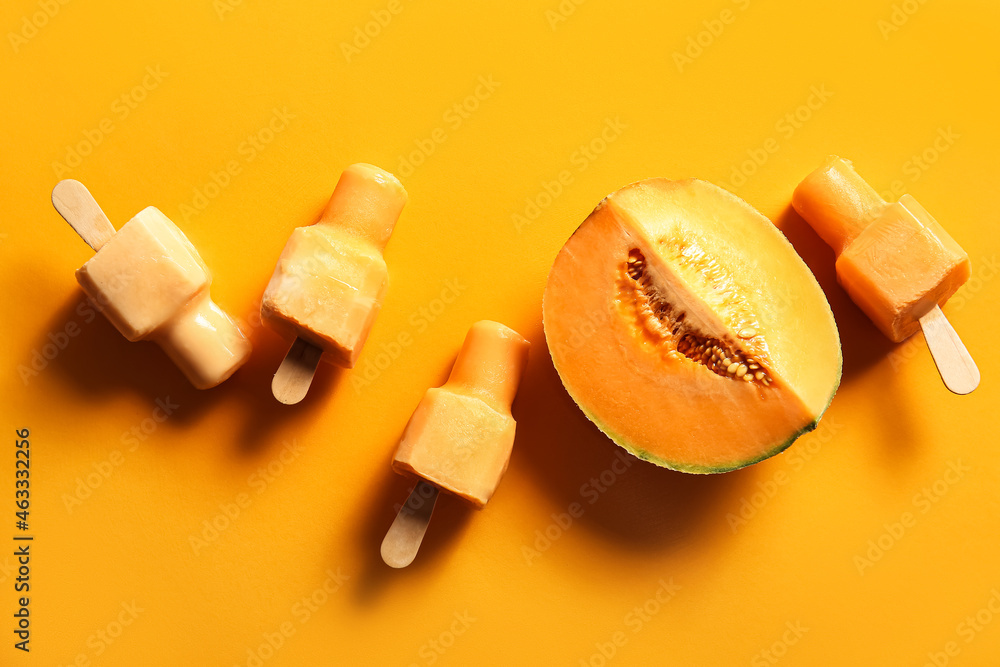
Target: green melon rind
(686, 467)
(692, 468)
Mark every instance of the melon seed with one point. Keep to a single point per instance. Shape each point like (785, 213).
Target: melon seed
(666, 325)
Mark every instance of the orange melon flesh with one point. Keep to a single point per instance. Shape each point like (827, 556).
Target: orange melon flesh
(328, 285)
(658, 295)
(894, 260)
(461, 435)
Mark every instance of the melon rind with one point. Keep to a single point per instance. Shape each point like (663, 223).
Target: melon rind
(684, 467)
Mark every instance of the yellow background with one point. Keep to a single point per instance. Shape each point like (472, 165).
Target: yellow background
(892, 430)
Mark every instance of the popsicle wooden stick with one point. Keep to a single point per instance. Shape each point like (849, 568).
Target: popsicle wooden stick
(953, 361)
(295, 374)
(78, 207)
(403, 539)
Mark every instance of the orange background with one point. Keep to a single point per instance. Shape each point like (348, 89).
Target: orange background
(199, 538)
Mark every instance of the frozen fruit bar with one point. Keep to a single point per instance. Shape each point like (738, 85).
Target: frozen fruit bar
(330, 279)
(461, 434)
(151, 283)
(894, 260)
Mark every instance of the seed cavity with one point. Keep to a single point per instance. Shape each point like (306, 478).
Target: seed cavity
(671, 331)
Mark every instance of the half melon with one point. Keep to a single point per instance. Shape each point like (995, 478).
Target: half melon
(684, 325)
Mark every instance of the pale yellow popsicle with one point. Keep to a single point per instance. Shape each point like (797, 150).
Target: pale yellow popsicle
(151, 283)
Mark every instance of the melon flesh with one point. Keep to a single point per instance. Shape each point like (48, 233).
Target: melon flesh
(684, 325)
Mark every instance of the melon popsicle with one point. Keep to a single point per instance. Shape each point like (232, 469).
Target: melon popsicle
(896, 262)
(460, 436)
(151, 283)
(330, 279)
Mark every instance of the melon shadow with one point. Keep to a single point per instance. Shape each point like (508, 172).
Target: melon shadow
(597, 483)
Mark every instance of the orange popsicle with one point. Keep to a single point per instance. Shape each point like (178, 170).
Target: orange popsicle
(328, 285)
(461, 434)
(896, 262)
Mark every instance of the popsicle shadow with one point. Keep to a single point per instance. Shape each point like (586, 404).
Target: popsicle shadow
(617, 495)
(83, 349)
(863, 345)
(94, 358)
(450, 519)
(264, 411)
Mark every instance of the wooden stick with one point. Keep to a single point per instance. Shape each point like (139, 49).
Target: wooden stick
(953, 361)
(78, 207)
(403, 539)
(295, 374)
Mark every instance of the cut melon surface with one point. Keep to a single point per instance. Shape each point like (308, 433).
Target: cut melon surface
(686, 327)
